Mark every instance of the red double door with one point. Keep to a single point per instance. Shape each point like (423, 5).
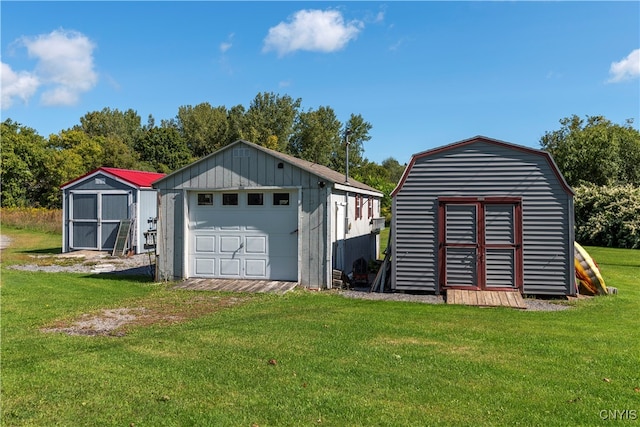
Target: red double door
(480, 243)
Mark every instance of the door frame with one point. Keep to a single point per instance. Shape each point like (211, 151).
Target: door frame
(480, 203)
(70, 221)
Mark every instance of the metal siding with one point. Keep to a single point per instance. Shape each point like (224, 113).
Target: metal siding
(483, 169)
(501, 268)
(499, 225)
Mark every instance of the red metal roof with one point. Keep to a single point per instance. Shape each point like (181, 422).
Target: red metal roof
(140, 179)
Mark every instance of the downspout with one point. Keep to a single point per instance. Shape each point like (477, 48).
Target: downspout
(347, 132)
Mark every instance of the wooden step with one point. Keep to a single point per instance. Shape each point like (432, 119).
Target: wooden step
(485, 298)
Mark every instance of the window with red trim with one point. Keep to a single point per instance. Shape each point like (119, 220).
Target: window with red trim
(358, 206)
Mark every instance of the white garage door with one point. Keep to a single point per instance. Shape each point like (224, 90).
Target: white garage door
(244, 235)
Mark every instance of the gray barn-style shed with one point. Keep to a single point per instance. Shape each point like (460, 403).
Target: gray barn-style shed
(483, 214)
(94, 204)
(248, 212)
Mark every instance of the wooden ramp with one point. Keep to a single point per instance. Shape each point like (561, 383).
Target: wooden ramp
(230, 285)
(485, 298)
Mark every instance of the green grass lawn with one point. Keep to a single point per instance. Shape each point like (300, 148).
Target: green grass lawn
(335, 361)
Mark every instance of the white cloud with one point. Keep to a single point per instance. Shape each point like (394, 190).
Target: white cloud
(626, 69)
(16, 85)
(225, 46)
(312, 30)
(64, 69)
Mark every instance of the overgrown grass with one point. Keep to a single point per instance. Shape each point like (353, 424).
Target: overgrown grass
(37, 219)
(334, 361)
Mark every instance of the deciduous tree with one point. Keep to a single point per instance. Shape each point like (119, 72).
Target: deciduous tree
(25, 159)
(316, 136)
(595, 151)
(204, 128)
(271, 115)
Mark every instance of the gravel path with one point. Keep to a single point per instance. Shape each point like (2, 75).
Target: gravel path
(532, 304)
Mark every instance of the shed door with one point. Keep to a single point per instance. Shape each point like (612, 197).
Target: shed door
(480, 244)
(95, 217)
(244, 235)
(84, 221)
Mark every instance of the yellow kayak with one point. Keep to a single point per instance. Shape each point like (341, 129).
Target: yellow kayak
(588, 275)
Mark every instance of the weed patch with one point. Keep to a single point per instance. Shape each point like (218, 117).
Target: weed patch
(36, 219)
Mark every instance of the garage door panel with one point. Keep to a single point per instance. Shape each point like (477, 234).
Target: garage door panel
(230, 267)
(256, 268)
(205, 266)
(256, 245)
(229, 244)
(205, 244)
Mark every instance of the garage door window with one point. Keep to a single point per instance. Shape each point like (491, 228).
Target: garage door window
(281, 199)
(205, 199)
(230, 199)
(255, 199)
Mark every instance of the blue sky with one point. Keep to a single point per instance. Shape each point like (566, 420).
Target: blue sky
(424, 74)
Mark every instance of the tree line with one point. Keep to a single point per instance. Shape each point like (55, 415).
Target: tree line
(34, 167)
(598, 158)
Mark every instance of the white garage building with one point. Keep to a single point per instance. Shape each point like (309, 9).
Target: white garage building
(247, 212)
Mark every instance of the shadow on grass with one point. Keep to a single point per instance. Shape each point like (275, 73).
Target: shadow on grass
(45, 251)
(130, 276)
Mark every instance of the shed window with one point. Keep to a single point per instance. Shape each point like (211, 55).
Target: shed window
(370, 207)
(229, 199)
(205, 199)
(255, 199)
(280, 199)
(358, 206)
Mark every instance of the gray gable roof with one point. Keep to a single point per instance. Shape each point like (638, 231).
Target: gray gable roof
(323, 172)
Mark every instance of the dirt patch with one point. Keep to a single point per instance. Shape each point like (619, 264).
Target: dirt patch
(116, 322)
(95, 262)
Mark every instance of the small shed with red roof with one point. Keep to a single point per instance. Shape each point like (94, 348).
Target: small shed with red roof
(94, 204)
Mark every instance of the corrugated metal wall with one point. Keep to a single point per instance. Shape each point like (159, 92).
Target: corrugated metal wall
(482, 169)
(236, 167)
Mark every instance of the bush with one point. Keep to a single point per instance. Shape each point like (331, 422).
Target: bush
(608, 215)
(38, 219)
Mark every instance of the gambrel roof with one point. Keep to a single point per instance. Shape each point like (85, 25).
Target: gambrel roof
(487, 140)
